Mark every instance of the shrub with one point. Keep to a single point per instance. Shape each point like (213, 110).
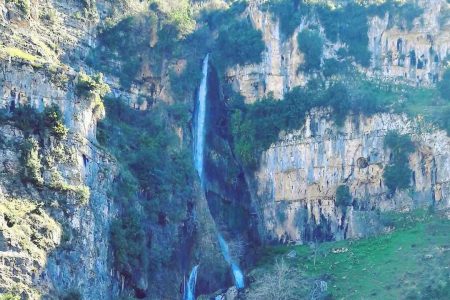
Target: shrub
(338, 98)
(28, 120)
(127, 237)
(94, 89)
(23, 5)
(343, 196)
(239, 44)
(82, 192)
(91, 85)
(9, 297)
(289, 13)
(398, 174)
(53, 121)
(32, 162)
(311, 44)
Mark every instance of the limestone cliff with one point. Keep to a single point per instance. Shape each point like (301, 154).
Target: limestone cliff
(43, 50)
(415, 55)
(296, 182)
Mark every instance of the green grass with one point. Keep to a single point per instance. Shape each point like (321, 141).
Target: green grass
(406, 262)
(16, 52)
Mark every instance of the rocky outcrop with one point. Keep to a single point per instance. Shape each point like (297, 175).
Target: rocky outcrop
(278, 71)
(77, 259)
(415, 55)
(74, 196)
(296, 182)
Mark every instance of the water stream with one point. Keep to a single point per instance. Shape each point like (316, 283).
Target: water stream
(189, 293)
(199, 147)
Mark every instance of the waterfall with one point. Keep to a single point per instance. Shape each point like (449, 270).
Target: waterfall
(200, 122)
(189, 293)
(199, 147)
(237, 273)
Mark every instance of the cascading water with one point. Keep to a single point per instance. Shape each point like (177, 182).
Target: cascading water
(199, 146)
(189, 293)
(201, 116)
(199, 139)
(237, 273)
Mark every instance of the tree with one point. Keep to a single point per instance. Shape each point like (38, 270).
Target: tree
(397, 175)
(343, 196)
(279, 284)
(239, 44)
(311, 44)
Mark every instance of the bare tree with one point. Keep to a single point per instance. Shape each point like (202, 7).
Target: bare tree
(278, 284)
(237, 248)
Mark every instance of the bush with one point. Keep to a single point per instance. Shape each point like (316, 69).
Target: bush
(23, 5)
(239, 44)
(91, 85)
(32, 162)
(311, 44)
(31, 122)
(127, 237)
(289, 13)
(94, 89)
(53, 121)
(28, 120)
(343, 196)
(398, 174)
(338, 98)
(154, 171)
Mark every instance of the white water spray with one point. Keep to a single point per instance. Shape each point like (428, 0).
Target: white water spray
(189, 293)
(237, 273)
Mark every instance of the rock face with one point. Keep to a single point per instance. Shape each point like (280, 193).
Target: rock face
(278, 71)
(296, 183)
(415, 55)
(76, 255)
(59, 243)
(40, 59)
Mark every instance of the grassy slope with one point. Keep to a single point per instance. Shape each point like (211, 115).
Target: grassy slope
(408, 261)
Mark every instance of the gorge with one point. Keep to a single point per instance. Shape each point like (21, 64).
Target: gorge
(228, 150)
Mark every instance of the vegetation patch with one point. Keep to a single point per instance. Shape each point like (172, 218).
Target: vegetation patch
(155, 176)
(239, 44)
(23, 5)
(29, 228)
(18, 53)
(348, 22)
(408, 263)
(398, 174)
(256, 126)
(343, 196)
(94, 89)
(311, 44)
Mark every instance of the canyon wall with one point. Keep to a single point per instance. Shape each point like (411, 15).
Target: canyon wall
(415, 55)
(296, 183)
